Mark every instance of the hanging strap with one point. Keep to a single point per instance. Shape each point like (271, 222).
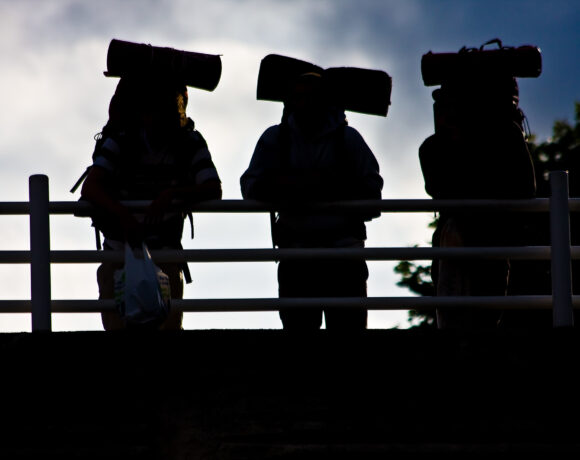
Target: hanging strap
(190, 218)
(98, 239)
(186, 272)
(80, 180)
(184, 267)
(272, 230)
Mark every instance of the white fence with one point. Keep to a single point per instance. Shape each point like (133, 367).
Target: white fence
(40, 257)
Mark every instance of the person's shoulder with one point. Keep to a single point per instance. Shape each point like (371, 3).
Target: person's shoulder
(431, 139)
(350, 130)
(109, 143)
(192, 137)
(272, 131)
(353, 139)
(429, 143)
(352, 134)
(270, 136)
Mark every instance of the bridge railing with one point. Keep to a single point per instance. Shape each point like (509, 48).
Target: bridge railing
(40, 257)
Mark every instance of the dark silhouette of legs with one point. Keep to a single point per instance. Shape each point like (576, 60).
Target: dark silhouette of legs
(323, 278)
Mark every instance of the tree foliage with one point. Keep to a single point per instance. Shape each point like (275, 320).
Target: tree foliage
(559, 152)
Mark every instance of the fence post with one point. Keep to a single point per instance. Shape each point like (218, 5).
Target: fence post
(40, 253)
(563, 312)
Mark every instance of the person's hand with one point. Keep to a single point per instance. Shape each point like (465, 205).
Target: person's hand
(158, 208)
(132, 229)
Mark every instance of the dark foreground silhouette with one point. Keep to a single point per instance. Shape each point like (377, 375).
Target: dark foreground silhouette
(478, 151)
(271, 394)
(313, 155)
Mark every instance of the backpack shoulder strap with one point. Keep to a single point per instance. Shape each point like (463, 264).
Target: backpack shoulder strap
(80, 180)
(283, 151)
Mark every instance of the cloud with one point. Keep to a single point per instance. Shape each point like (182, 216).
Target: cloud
(55, 99)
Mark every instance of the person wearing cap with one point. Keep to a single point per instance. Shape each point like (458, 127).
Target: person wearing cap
(148, 150)
(314, 156)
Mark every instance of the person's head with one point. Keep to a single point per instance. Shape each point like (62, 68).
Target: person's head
(465, 105)
(308, 100)
(152, 101)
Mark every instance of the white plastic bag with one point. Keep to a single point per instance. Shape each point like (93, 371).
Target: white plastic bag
(142, 291)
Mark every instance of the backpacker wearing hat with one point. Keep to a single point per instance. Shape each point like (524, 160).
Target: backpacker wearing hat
(313, 155)
(149, 150)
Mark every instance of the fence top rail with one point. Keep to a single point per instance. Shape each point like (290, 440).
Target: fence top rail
(270, 254)
(83, 209)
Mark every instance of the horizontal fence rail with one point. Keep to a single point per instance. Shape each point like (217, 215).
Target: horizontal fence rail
(535, 205)
(261, 304)
(268, 255)
(560, 253)
(351, 206)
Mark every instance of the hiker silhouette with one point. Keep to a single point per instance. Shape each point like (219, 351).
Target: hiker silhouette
(148, 150)
(478, 151)
(314, 156)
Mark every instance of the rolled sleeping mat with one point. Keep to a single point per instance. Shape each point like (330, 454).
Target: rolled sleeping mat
(355, 89)
(524, 61)
(198, 70)
(360, 90)
(278, 73)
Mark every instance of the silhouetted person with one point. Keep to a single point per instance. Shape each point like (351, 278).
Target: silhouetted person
(148, 150)
(313, 156)
(478, 151)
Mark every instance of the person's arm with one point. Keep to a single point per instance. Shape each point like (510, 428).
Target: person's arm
(97, 189)
(365, 181)
(523, 168)
(208, 190)
(263, 179)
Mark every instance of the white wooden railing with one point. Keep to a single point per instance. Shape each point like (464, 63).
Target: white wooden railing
(40, 256)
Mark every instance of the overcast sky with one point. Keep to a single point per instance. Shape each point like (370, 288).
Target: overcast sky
(55, 98)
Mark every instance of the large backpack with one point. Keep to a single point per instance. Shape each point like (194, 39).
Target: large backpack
(101, 221)
(478, 97)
